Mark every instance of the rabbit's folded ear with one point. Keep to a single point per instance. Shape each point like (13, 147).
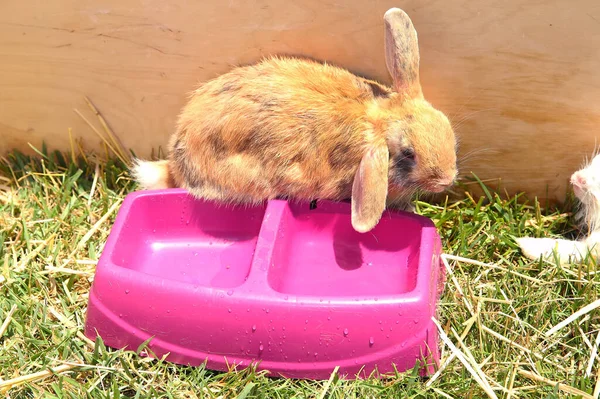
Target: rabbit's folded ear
(402, 52)
(370, 187)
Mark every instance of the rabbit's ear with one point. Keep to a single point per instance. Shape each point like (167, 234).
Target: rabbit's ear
(370, 187)
(402, 52)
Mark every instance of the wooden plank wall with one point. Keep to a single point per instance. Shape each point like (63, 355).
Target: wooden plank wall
(521, 79)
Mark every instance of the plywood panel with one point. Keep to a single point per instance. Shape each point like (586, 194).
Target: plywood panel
(519, 79)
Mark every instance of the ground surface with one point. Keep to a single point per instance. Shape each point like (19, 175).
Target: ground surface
(55, 215)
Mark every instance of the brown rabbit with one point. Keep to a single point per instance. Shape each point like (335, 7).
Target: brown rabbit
(299, 129)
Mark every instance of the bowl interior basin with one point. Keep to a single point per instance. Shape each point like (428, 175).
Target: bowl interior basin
(179, 238)
(318, 253)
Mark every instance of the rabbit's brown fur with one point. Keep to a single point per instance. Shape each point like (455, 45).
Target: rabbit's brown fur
(289, 127)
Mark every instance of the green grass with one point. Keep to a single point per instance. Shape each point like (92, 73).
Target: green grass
(53, 225)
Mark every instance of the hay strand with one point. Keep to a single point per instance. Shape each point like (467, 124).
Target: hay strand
(585, 310)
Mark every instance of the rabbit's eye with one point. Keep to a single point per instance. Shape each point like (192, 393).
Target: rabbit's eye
(408, 153)
(404, 162)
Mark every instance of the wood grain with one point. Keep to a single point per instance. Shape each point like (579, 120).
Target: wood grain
(519, 79)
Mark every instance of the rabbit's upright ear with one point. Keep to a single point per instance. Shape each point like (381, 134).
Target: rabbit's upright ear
(402, 52)
(370, 188)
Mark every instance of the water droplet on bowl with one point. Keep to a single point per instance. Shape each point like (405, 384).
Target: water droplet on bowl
(345, 332)
(230, 292)
(229, 310)
(254, 328)
(126, 291)
(371, 341)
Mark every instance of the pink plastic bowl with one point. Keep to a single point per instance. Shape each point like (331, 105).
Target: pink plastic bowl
(294, 290)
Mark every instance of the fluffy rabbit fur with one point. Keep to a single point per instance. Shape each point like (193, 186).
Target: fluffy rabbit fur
(298, 129)
(586, 186)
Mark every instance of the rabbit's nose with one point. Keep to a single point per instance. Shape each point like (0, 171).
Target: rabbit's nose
(440, 185)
